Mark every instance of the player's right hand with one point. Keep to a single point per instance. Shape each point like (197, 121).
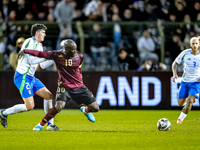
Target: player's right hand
(21, 54)
(175, 78)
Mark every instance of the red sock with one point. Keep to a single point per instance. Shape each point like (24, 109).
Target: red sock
(86, 109)
(49, 115)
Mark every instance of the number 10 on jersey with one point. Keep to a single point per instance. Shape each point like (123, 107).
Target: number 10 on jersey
(68, 62)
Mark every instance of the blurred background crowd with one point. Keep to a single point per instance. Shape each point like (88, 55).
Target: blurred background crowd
(119, 35)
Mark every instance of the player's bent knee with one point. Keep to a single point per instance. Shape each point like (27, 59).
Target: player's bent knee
(190, 100)
(30, 107)
(49, 97)
(96, 109)
(59, 105)
(180, 103)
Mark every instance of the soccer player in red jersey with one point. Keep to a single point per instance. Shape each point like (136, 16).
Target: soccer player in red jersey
(70, 84)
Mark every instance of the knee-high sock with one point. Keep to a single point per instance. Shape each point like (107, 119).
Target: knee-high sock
(50, 114)
(15, 109)
(48, 105)
(182, 116)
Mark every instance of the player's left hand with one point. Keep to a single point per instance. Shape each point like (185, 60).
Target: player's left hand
(20, 54)
(175, 78)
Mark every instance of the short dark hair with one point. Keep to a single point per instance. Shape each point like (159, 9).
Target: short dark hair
(36, 27)
(121, 49)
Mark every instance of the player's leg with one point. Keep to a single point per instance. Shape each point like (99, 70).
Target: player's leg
(43, 92)
(62, 97)
(47, 95)
(27, 106)
(182, 97)
(193, 91)
(188, 105)
(93, 107)
(23, 83)
(87, 101)
(182, 101)
(86, 110)
(48, 104)
(53, 111)
(186, 109)
(50, 114)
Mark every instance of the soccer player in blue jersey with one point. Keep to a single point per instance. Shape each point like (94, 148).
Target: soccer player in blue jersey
(190, 85)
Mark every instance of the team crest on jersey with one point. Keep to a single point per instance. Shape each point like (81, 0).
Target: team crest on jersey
(58, 95)
(29, 91)
(189, 59)
(60, 55)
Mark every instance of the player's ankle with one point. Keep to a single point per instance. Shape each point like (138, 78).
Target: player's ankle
(42, 123)
(86, 109)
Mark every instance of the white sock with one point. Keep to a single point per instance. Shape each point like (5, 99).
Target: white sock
(15, 109)
(48, 105)
(182, 116)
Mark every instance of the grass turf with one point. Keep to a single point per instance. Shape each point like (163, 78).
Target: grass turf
(113, 129)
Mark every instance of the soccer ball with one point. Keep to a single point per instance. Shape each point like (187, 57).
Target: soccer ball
(163, 124)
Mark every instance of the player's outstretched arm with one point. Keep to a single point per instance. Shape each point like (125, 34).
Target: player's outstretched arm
(40, 54)
(174, 71)
(32, 59)
(46, 64)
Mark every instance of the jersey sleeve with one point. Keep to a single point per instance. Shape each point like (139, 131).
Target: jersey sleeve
(81, 60)
(46, 64)
(179, 59)
(35, 60)
(46, 55)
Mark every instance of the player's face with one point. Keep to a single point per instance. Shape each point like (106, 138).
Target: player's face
(40, 35)
(70, 48)
(195, 45)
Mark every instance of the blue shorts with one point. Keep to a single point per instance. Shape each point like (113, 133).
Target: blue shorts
(189, 88)
(26, 84)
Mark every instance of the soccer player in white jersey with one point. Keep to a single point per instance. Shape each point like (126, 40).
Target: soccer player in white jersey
(25, 80)
(190, 85)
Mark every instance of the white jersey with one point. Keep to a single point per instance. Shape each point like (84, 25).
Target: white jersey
(28, 64)
(191, 66)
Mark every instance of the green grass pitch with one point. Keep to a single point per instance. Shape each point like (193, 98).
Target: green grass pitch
(113, 129)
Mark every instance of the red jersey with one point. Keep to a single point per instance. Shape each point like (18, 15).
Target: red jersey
(69, 69)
